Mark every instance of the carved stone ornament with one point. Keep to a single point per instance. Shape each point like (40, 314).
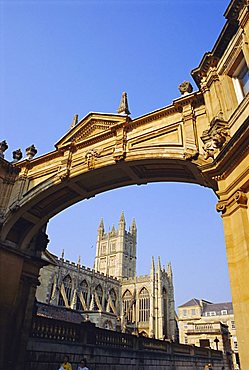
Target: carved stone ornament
(31, 152)
(75, 121)
(240, 197)
(191, 155)
(123, 106)
(185, 88)
(90, 158)
(64, 175)
(221, 207)
(3, 147)
(120, 146)
(215, 137)
(17, 155)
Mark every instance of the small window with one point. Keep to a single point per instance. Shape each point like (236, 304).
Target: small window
(186, 340)
(193, 311)
(241, 80)
(184, 313)
(233, 324)
(223, 312)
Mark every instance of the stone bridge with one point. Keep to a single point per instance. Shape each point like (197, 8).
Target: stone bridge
(201, 138)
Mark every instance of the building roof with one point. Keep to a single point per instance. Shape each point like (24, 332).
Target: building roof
(192, 302)
(218, 307)
(58, 313)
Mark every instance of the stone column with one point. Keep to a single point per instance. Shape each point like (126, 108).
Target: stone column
(234, 208)
(19, 279)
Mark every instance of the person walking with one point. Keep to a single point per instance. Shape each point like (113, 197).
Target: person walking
(66, 364)
(83, 365)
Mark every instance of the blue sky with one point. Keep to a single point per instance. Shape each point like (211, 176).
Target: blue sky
(59, 58)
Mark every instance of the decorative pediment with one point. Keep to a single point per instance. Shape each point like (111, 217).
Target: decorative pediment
(91, 126)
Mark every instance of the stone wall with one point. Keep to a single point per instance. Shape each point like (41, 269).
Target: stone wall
(51, 339)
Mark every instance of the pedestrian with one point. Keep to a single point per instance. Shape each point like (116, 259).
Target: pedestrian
(206, 367)
(83, 365)
(66, 364)
(210, 367)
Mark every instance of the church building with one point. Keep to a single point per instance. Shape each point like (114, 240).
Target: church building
(111, 294)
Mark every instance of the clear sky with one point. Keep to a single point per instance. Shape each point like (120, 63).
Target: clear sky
(61, 57)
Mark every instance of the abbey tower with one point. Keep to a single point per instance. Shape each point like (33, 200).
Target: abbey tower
(116, 250)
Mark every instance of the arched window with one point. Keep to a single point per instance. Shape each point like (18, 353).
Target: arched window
(165, 312)
(99, 292)
(144, 305)
(83, 288)
(67, 282)
(113, 298)
(127, 300)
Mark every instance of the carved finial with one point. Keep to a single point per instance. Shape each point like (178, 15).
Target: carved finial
(122, 217)
(17, 155)
(123, 107)
(185, 88)
(75, 121)
(152, 266)
(3, 146)
(169, 270)
(62, 254)
(31, 152)
(78, 263)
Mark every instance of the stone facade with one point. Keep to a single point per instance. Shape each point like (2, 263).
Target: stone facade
(111, 295)
(201, 138)
(209, 325)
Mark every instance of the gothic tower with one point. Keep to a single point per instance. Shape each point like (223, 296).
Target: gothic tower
(116, 250)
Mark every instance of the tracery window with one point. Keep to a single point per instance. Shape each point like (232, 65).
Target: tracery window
(67, 282)
(127, 300)
(83, 287)
(144, 305)
(99, 292)
(165, 311)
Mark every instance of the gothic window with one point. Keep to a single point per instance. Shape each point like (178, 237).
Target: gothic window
(127, 300)
(78, 304)
(61, 300)
(113, 297)
(83, 287)
(99, 292)
(103, 249)
(84, 290)
(144, 305)
(102, 263)
(165, 311)
(67, 281)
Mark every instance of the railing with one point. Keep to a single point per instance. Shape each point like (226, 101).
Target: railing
(86, 333)
(57, 330)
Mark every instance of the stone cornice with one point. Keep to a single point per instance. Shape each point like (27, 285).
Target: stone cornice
(210, 59)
